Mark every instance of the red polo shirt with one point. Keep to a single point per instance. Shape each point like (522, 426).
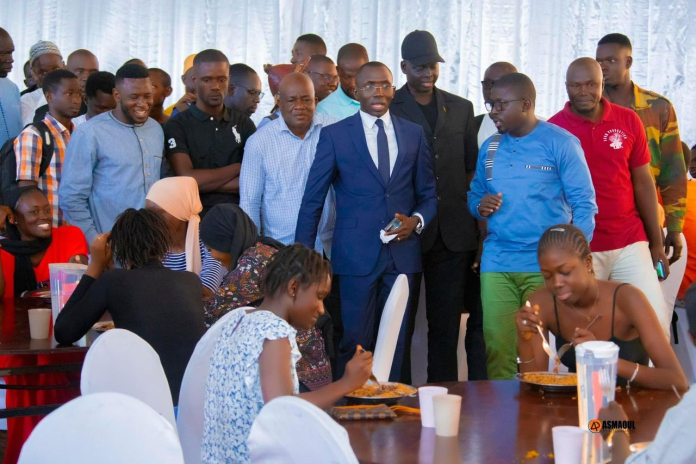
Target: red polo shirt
(613, 146)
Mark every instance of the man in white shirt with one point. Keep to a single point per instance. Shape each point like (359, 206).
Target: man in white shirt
(485, 125)
(44, 57)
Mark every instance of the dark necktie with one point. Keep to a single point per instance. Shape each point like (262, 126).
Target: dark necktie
(382, 152)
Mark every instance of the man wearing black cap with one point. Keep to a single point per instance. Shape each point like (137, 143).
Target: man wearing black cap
(450, 242)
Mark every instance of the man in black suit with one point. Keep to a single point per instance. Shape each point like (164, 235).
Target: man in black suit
(450, 244)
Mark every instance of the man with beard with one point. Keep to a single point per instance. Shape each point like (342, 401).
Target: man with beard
(529, 177)
(627, 242)
(207, 141)
(450, 244)
(64, 97)
(322, 70)
(44, 57)
(114, 158)
(662, 131)
(161, 89)
(381, 170)
(244, 93)
(10, 113)
(343, 102)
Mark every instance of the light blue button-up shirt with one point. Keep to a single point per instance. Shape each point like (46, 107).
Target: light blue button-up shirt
(339, 105)
(272, 182)
(545, 181)
(10, 112)
(109, 167)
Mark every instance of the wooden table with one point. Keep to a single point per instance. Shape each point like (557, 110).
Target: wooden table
(15, 340)
(501, 421)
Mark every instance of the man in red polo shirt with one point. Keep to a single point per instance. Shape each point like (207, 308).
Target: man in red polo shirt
(627, 243)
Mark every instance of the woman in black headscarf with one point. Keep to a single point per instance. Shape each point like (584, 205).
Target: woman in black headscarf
(233, 239)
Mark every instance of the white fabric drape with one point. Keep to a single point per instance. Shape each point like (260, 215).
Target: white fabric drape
(541, 37)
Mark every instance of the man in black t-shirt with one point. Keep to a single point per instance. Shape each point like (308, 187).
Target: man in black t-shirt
(207, 141)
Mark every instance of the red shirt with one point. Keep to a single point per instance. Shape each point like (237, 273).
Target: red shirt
(67, 242)
(613, 146)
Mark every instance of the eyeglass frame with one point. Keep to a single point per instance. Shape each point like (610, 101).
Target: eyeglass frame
(328, 78)
(252, 92)
(500, 105)
(384, 88)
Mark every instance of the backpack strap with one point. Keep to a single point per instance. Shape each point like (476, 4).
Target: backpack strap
(48, 145)
(492, 149)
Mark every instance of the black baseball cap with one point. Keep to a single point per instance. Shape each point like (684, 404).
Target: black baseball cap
(419, 48)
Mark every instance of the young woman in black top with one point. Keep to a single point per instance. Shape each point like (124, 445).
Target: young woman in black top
(162, 306)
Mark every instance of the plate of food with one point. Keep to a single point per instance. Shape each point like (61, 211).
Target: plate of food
(550, 382)
(43, 294)
(103, 326)
(389, 393)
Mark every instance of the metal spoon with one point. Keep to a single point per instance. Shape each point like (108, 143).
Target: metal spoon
(567, 346)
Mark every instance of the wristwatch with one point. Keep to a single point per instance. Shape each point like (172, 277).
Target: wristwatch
(610, 437)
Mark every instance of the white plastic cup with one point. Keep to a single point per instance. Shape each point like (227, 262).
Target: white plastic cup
(425, 399)
(568, 442)
(39, 323)
(447, 409)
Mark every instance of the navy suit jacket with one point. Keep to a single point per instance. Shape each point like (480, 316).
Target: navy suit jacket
(364, 204)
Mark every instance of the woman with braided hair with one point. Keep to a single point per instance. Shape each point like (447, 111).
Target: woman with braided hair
(256, 353)
(572, 297)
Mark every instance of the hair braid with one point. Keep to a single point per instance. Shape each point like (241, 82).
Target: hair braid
(294, 262)
(566, 237)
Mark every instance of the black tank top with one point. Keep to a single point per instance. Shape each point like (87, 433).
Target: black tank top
(629, 350)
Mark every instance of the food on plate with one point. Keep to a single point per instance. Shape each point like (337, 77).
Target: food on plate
(103, 326)
(543, 378)
(391, 390)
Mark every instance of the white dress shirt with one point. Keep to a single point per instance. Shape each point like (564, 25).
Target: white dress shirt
(371, 129)
(30, 102)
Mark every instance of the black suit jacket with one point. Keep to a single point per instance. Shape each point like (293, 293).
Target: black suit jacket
(455, 152)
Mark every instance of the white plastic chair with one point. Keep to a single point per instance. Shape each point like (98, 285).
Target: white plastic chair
(120, 361)
(293, 431)
(189, 418)
(108, 428)
(389, 327)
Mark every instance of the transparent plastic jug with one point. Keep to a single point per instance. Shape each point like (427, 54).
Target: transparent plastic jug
(64, 280)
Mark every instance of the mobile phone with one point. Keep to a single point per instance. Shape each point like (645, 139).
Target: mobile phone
(394, 224)
(660, 270)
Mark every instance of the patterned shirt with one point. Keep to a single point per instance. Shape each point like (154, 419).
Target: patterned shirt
(28, 146)
(233, 396)
(212, 272)
(667, 159)
(272, 182)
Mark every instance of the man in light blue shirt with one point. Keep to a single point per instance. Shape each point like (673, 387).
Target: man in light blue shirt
(276, 164)
(114, 158)
(10, 112)
(537, 177)
(342, 103)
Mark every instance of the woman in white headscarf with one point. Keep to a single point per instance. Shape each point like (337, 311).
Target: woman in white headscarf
(177, 199)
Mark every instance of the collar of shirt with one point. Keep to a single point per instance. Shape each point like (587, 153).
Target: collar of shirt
(576, 120)
(344, 99)
(202, 115)
(369, 121)
(284, 127)
(53, 122)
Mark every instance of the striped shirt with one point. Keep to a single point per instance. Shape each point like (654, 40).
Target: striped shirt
(272, 182)
(212, 272)
(28, 146)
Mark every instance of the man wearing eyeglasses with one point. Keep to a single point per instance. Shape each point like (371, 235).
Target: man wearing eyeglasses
(322, 70)
(207, 141)
(483, 123)
(380, 168)
(450, 244)
(529, 177)
(244, 92)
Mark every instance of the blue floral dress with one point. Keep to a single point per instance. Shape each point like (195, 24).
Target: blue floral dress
(233, 396)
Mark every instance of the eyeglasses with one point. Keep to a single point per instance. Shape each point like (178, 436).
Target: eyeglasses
(371, 88)
(500, 104)
(488, 83)
(328, 78)
(252, 92)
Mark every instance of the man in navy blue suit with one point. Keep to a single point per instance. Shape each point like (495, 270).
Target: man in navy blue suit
(380, 168)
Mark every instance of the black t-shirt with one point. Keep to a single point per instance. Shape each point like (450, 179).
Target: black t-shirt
(210, 143)
(430, 112)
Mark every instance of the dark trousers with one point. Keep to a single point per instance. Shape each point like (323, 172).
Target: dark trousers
(362, 302)
(332, 303)
(451, 287)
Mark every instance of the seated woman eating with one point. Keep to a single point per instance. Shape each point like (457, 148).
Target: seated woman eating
(177, 199)
(232, 238)
(29, 246)
(573, 297)
(255, 355)
(162, 306)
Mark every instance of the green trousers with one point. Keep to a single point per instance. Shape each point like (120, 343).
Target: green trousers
(502, 294)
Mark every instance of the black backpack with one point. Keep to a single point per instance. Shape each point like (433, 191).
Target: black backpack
(8, 161)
